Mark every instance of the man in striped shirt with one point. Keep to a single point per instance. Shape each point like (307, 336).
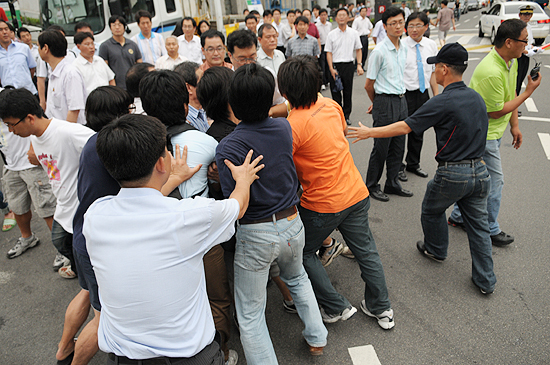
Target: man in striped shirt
(151, 45)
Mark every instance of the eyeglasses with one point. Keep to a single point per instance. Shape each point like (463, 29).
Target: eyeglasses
(416, 26)
(246, 60)
(13, 125)
(219, 49)
(395, 24)
(520, 40)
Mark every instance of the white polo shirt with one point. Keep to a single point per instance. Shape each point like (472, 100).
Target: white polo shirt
(273, 63)
(151, 280)
(343, 44)
(95, 73)
(379, 32)
(324, 30)
(168, 63)
(191, 49)
(428, 48)
(362, 25)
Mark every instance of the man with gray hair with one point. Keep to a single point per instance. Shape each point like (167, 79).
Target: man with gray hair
(173, 58)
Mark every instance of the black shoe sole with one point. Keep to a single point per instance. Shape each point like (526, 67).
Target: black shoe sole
(422, 249)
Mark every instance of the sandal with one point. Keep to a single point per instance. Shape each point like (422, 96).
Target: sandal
(8, 224)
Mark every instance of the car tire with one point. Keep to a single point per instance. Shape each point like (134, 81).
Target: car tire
(539, 41)
(493, 35)
(480, 34)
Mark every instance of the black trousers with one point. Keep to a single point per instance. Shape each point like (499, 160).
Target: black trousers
(415, 99)
(365, 50)
(386, 109)
(324, 66)
(345, 70)
(523, 68)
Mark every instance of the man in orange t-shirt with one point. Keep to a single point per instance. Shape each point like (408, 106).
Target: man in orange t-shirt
(335, 195)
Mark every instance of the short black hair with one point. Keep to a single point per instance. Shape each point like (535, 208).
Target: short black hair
(120, 18)
(277, 10)
(21, 30)
(18, 103)
(188, 70)
(391, 12)
(199, 26)
(211, 33)
(134, 76)
(10, 26)
(142, 14)
(242, 38)
(291, 12)
(81, 36)
(213, 92)
(130, 146)
(245, 10)
(251, 93)
(266, 13)
(105, 104)
(323, 11)
(57, 43)
(457, 70)
(299, 80)
(318, 7)
(192, 21)
(164, 96)
(444, 2)
(81, 25)
(57, 28)
(341, 9)
(302, 19)
(254, 12)
(298, 10)
(263, 28)
(417, 15)
(250, 16)
(510, 28)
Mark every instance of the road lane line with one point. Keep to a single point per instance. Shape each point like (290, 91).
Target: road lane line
(545, 141)
(546, 66)
(465, 39)
(363, 355)
(535, 119)
(530, 105)
(467, 20)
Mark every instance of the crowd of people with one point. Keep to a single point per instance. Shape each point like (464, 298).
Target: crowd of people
(245, 168)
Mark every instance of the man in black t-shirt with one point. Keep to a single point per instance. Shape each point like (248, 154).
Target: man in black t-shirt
(459, 118)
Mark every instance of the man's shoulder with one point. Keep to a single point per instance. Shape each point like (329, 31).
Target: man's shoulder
(131, 43)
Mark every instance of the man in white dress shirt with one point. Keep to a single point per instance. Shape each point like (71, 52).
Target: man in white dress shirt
(173, 58)
(419, 77)
(94, 70)
(178, 327)
(324, 27)
(378, 33)
(363, 26)
(268, 55)
(189, 43)
(151, 45)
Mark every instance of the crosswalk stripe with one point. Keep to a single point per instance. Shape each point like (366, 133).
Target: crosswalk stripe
(467, 20)
(465, 39)
(363, 355)
(530, 105)
(535, 119)
(545, 141)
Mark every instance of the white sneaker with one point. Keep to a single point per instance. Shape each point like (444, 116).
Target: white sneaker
(343, 316)
(323, 87)
(21, 247)
(60, 261)
(331, 252)
(385, 319)
(233, 358)
(346, 252)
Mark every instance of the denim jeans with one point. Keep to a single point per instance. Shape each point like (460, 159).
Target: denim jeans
(353, 223)
(491, 156)
(258, 245)
(468, 186)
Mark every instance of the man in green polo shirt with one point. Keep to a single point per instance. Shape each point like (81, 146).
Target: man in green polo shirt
(495, 80)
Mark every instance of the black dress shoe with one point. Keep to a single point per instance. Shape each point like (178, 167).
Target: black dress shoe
(379, 195)
(421, 247)
(418, 171)
(502, 239)
(402, 176)
(400, 192)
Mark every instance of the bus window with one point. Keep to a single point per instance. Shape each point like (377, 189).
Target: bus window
(66, 13)
(170, 6)
(131, 7)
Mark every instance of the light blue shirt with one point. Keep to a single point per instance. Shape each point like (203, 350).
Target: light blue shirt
(151, 278)
(387, 67)
(151, 48)
(197, 118)
(201, 149)
(14, 66)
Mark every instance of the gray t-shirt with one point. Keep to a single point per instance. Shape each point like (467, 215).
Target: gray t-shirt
(120, 58)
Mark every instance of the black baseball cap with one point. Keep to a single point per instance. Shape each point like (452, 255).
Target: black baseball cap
(451, 54)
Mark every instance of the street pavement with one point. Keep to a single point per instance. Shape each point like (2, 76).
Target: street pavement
(441, 318)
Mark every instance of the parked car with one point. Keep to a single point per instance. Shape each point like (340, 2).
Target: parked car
(473, 4)
(499, 12)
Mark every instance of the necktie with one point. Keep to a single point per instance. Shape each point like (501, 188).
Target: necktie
(420, 67)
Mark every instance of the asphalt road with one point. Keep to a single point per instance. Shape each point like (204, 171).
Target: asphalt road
(440, 316)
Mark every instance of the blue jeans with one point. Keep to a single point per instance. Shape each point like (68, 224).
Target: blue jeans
(468, 186)
(491, 156)
(258, 245)
(353, 223)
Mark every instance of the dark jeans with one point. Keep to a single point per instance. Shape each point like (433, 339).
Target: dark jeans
(63, 242)
(523, 68)
(324, 66)
(345, 70)
(468, 185)
(415, 99)
(353, 223)
(386, 109)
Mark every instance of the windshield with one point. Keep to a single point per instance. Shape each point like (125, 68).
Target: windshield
(67, 13)
(514, 8)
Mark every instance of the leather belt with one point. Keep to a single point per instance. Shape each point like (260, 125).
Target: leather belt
(278, 216)
(392, 95)
(463, 162)
(123, 360)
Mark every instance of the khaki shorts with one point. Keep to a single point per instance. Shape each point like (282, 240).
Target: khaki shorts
(22, 187)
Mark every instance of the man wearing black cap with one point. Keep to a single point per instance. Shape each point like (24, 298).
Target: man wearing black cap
(459, 118)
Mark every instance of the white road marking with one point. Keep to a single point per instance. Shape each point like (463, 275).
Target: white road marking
(364, 355)
(473, 59)
(547, 66)
(523, 85)
(477, 25)
(545, 141)
(536, 119)
(467, 20)
(530, 105)
(464, 39)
